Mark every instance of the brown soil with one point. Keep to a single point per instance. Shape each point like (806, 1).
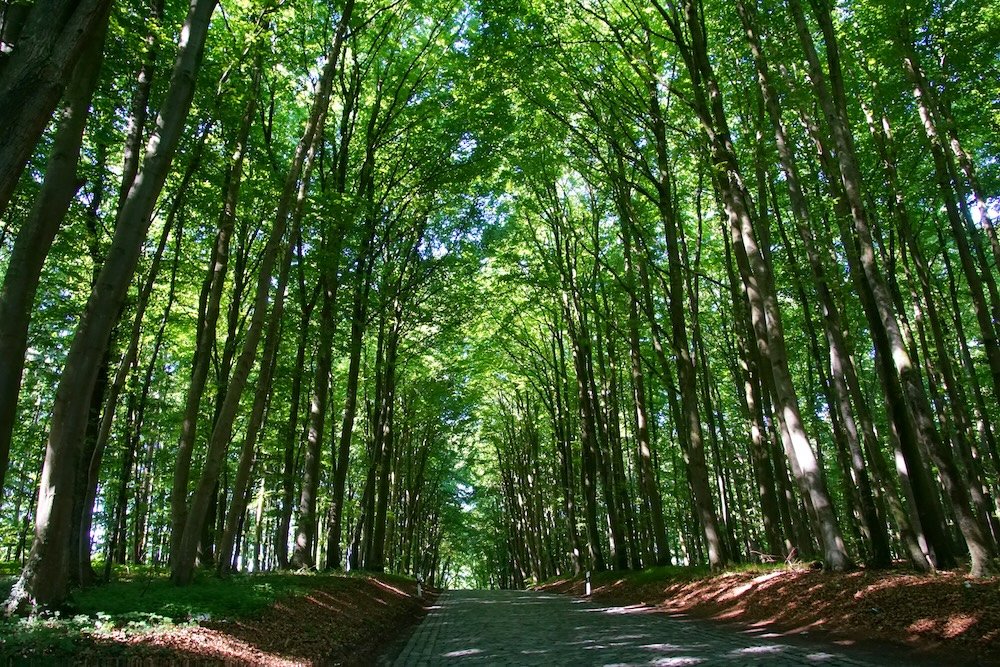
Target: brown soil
(341, 621)
(946, 617)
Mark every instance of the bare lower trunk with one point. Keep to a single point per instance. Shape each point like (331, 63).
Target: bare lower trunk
(831, 318)
(834, 106)
(44, 577)
(359, 314)
(756, 273)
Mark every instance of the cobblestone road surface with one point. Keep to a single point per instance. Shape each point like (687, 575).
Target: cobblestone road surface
(529, 628)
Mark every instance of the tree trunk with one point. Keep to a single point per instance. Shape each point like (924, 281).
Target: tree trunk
(208, 317)
(964, 242)
(36, 235)
(44, 578)
(756, 272)
(647, 478)
(832, 319)
(291, 434)
(835, 109)
(306, 528)
(375, 561)
(262, 396)
(359, 317)
(49, 48)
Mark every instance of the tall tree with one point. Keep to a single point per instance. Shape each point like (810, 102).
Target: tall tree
(44, 578)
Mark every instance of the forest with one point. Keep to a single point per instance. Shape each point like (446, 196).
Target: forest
(485, 292)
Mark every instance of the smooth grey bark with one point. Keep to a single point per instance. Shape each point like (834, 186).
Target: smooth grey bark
(291, 431)
(205, 338)
(386, 440)
(690, 431)
(290, 205)
(832, 319)
(968, 245)
(643, 442)
(251, 438)
(135, 419)
(35, 237)
(276, 249)
(307, 534)
(359, 316)
(926, 517)
(756, 273)
(34, 76)
(307, 524)
(44, 578)
(139, 112)
(833, 101)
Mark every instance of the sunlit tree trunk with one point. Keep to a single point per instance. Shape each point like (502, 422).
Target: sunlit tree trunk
(44, 578)
(832, 318)
(644, 445)
(968, 245)
(757, 279)
(834, 106)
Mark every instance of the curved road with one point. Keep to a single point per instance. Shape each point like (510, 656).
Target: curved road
(530, 628)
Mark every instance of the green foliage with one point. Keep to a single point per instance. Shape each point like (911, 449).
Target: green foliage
(477, 167)
(152, 594)
(142, 601)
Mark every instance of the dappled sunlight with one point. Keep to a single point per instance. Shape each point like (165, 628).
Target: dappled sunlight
(859, 607)
(385, 586)
(512, 627)
(949, 627)
(337, 616)
(206, 644)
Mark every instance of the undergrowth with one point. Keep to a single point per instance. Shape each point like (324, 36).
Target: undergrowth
(140, 601)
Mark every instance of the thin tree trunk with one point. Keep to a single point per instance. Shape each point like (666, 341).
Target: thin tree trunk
(208, 318)
(307, 524)
(964, 242)
(248, 452)
(359, 316)
(758, 281)
(291, 433)
(375, 561)
(44, 577)
(834, 107)
(647, 478)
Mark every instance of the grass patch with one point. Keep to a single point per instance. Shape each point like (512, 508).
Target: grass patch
(207, 598)
(142, 601)
(666, 573)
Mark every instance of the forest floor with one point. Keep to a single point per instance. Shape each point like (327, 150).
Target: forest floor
(269, 619)
(946, 617)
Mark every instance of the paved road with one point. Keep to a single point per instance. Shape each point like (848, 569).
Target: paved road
(529, 628)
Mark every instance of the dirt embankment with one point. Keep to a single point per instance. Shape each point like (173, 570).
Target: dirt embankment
(946, 616)
(342, 620)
